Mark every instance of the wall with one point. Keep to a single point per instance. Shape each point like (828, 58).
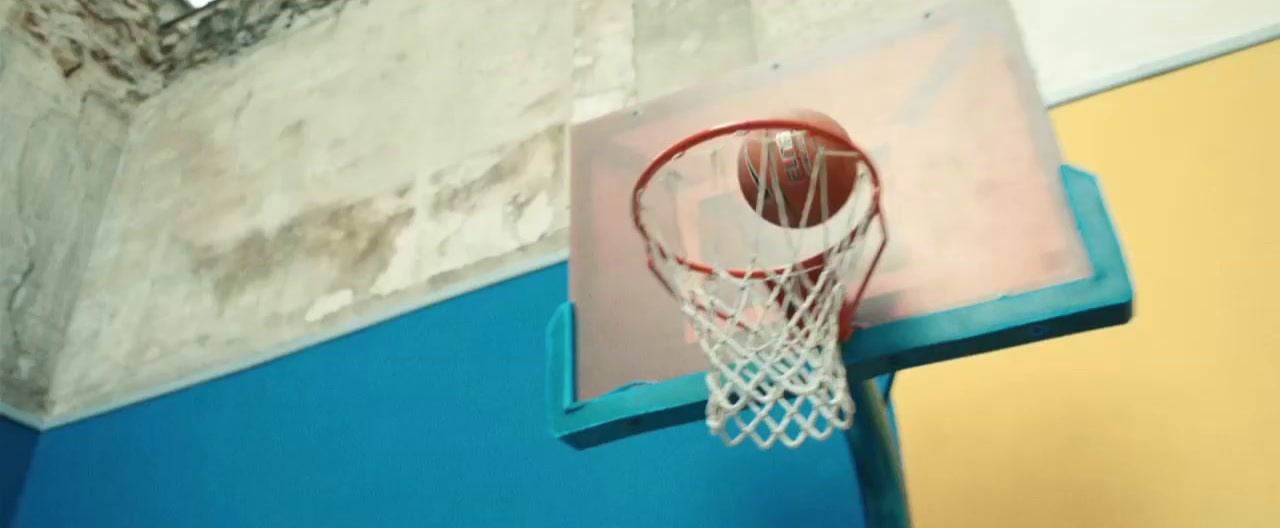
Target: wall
(267, 207)
(17, 443)
(436, 418)
(1170, 421)
(108, 47)
(69, 75)
(313, 166)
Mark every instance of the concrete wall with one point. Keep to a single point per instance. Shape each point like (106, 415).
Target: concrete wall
(266, 205)
(69, 75)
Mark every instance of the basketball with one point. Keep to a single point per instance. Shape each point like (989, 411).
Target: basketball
(794, 154)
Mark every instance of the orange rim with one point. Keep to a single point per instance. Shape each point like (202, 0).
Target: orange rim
(682, 146)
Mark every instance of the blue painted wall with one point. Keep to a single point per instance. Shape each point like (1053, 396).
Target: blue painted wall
(17, 443)
(432, 419)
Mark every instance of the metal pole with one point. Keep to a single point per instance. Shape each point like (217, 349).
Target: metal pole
(875, 454)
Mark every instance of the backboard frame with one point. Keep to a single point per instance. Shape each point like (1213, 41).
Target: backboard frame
(1098, 301)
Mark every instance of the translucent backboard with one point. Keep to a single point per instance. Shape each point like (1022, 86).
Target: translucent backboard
(977, 207)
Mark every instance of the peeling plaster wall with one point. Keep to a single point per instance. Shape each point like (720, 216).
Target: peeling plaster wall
(298, 187)
(63, 124)
(109, 47)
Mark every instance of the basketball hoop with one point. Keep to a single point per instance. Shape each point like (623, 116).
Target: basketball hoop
(769, 308)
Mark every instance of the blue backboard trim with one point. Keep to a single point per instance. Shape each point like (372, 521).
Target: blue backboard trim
(1105, 299)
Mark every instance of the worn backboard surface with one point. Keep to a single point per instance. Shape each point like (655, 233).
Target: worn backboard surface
(975, 202)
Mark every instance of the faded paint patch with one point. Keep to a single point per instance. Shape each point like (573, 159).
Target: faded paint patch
(329, 304)
(357, 238)
(541, 155)
(487, 205)
(534, 218)
(479, 205)
(401, 272)
(550, 243)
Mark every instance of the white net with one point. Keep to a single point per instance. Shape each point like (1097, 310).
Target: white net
(763, 302)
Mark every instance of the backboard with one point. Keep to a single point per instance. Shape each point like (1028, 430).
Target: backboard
(992, 240)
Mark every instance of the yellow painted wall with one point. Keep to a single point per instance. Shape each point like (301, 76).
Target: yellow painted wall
(1173, 420)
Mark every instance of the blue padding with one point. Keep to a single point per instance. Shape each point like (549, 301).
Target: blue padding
(1105, 299)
